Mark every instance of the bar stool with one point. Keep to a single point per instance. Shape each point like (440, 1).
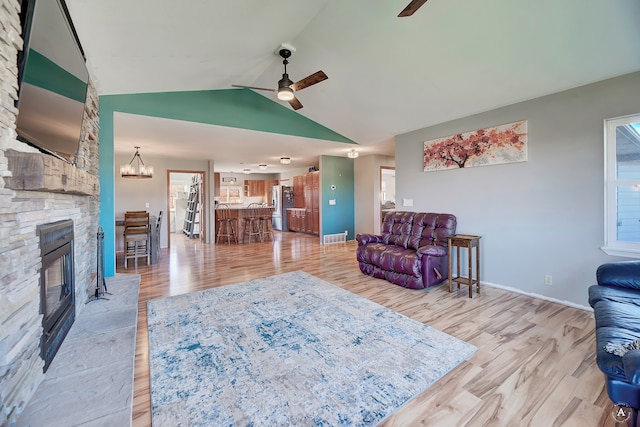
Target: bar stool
(266, 218)
(252, 223)
(136, 237)
(225, 224)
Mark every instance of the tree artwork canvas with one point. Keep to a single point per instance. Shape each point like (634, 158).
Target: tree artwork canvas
(488, 146)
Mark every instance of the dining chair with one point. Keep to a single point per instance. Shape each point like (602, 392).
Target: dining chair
(137, 234)
(156, 237)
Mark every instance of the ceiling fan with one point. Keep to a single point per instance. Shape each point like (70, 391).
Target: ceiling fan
(286, 88)
(411, 8)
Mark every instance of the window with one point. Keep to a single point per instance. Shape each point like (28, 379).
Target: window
(230, 194)
(622, 186)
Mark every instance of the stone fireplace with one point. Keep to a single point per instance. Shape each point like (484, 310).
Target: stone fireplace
(35, 190)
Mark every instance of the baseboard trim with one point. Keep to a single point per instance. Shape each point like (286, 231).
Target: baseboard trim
(538, 296)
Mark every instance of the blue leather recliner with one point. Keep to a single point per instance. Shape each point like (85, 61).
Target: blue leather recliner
(616, 307)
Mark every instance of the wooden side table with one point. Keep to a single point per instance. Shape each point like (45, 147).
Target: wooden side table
(464, 241)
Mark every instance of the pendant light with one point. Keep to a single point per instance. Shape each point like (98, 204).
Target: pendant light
(136, 168)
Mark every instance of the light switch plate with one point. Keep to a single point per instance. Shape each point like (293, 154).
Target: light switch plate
(407, 202)
(332, 201)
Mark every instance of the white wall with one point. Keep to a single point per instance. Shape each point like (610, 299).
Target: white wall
(543, 216)
(366, 171)
(288, 175)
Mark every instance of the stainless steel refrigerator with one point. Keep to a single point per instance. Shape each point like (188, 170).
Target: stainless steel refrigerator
(281, 198)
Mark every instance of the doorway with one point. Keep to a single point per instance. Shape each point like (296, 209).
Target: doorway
(387, 190)
(186, 205)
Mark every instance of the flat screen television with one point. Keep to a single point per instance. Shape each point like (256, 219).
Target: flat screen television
(52, 79)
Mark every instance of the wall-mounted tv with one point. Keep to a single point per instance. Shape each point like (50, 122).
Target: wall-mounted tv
(53, 79)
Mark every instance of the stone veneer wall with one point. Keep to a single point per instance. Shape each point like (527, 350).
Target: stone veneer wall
(20, 213)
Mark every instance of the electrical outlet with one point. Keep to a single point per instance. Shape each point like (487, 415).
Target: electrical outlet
(548, 280)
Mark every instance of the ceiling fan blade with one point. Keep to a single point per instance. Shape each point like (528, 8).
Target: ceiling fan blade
(314, 78)
(254, 87)
(411, 8)
(295, 104)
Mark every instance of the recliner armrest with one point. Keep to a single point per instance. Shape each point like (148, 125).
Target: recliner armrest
(623, 274)
(433, 250)
(363, 239)
(631, 363)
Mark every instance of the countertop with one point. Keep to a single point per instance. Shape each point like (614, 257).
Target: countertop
(240, 207)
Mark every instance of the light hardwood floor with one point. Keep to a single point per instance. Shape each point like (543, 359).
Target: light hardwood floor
(536, 360)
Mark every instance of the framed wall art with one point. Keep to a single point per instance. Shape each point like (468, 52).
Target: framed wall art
(488, 146)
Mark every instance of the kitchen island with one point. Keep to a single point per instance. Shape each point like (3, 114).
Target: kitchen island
(238, 213)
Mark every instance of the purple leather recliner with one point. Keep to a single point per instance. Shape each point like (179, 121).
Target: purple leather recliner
(412, 250)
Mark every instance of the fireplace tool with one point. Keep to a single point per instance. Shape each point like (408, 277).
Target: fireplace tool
(101, 284)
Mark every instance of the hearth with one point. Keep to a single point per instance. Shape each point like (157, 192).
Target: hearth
(57, 290)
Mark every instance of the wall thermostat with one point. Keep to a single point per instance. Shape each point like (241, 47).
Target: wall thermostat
(333, 187)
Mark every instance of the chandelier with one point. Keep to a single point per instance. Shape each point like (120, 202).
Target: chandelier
(352, 154)
(136, 168)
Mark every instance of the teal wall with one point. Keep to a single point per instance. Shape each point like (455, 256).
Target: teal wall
(336, 218)
(107, 187)
(239, 108)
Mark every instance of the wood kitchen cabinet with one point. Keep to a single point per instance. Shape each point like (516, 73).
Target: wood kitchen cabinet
(296, 219)
(298, 191)
(259, 188)
(305, 217)
(268, 185)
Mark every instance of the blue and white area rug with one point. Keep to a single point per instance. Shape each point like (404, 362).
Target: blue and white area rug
(289, 349)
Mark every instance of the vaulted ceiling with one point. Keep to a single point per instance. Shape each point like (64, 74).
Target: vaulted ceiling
(387, 75)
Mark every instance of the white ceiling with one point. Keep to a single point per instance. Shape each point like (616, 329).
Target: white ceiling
(387, 75)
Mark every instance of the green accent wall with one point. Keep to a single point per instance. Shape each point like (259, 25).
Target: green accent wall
(238, 108)
(336, 218)
(40, 71)
(107, 187)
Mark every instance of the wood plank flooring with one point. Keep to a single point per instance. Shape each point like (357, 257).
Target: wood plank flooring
(536, 360)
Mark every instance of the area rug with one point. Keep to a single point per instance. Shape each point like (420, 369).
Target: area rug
(289, 349)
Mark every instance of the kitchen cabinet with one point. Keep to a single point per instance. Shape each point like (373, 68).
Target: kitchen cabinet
(259, 188)
(306, 200)
(296, 219)
(298, 191)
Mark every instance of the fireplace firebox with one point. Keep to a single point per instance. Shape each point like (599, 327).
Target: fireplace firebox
(57, 289)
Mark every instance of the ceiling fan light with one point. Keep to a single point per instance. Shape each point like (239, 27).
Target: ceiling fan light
(285, 94)
(285, 160)
(352, 154)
